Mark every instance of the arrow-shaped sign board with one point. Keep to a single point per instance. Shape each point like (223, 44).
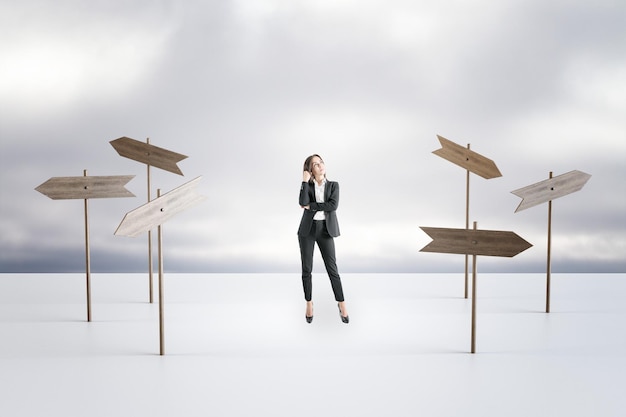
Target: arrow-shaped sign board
(551, 189)
(61, 188)
(474, 242)
(468, 159)
(159, 210)
(148, 154)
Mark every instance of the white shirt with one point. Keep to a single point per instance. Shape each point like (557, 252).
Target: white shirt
(319, 198)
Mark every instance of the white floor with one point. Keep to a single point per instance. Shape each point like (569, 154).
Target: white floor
(238, 345)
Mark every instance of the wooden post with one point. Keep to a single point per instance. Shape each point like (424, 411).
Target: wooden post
(467, 190)
(473, 350)
(87, 256)
(84, 188)
(472, 162)
(475, 242)
(150, 273)
(546, 191)
(151, 156)
(155, 213)
(161, 298)
(548, 267)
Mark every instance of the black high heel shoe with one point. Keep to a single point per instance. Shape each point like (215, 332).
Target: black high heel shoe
(345, 319)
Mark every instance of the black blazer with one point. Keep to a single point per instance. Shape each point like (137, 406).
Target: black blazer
(329, 206)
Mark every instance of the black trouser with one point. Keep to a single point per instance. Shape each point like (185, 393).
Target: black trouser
(326, 244)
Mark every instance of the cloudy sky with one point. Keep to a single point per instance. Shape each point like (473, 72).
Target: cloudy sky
(248, 89)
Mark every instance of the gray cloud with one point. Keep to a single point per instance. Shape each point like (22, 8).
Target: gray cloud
(248, 91)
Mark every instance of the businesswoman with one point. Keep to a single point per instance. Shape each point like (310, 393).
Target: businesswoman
(319, 198)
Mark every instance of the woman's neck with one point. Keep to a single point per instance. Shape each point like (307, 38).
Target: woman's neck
(319, 180)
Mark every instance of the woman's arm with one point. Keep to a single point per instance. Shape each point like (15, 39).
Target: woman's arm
(333, 199)
(304, 198)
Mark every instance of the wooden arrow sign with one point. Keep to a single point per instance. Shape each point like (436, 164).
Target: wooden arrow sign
(155, 213)
(62, 188)
(85, 188)
(474, 242)
(551, 189)
(546, 191)
(159, 210)
(151, 156)
(465, 158)
(148, 154)
(472, 162)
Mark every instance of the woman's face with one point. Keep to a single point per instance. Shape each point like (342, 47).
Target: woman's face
(317, 167)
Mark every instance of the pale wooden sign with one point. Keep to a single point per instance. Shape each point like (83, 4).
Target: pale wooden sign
(551, 189)
(468, 159)
(153, 214)
(546, 191)
(148, 154)
(62, 188)
(159, 210)
(474, 242)
(86, 188)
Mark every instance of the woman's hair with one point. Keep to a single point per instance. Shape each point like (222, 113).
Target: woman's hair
(307, 164)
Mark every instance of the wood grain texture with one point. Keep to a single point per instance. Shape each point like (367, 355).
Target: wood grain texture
(467, 159)
(159, 210)
(551, 189)
(148, 154)
(474, 242)
(85, 187)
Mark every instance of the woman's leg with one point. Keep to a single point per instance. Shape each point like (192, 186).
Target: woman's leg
(327, 247)
(307, 244)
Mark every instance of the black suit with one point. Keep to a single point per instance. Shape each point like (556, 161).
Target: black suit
(320, 231)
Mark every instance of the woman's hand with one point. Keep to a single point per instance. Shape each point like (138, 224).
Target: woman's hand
(306, 176)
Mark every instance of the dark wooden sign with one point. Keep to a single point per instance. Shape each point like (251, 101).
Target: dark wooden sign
(474, 242)
(468, 159)
(148, 154)
(472, 162)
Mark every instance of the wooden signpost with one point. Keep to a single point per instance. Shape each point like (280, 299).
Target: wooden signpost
(85, 188)
(151, 156)
(474, 242)
(148, 154)
(155, 213)
(546, 191)
(465, 158)
(471, 162)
